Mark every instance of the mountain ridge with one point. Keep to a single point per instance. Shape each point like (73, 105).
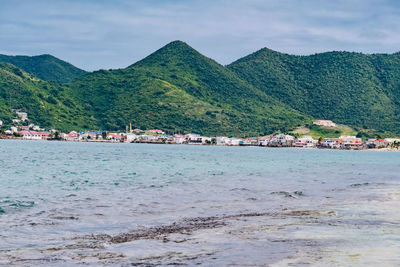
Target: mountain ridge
(233, 105)
(45, 67)
(178, 89)
(47, 104)
(350, 88)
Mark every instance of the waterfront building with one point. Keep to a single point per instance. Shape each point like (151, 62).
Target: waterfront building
(351, 142)
(179, 138)
(72, 136)
(306, 141)
(222, 140)
(331, 143)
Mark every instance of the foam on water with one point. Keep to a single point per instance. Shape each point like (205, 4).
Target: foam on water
(122, 204)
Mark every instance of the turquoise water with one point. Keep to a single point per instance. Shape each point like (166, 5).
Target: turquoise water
(64, 203)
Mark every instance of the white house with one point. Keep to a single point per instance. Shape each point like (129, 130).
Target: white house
(331, 142)
(194, 139)
(179, 138)
(235, 141)
(306, 141)
(222, 140)
(30, 135)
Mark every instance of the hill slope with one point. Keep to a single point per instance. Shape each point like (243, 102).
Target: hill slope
(45, 67)
(349, 88)
(47, 105)
(177, 88)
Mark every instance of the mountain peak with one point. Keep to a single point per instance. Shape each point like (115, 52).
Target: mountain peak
(173, 51)
(177, 43)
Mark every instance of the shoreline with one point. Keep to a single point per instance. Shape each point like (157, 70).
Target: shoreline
(386, 149)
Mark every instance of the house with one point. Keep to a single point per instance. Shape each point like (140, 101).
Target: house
(377, 143)
(351, 142)
(14, 129)
(115, 137)
(25, 128)
(306, 141)
(88, 135)
(326, 123)
(45, 135)
(235, 142)
(194, 139)
(331, 143)
(179, 138)
(72, 136)
(222, 140)
(264, 141)
(30, 135)
(251, 141)
(282, 140)
(1, 123)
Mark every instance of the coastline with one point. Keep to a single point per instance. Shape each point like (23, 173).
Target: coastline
(386, 149)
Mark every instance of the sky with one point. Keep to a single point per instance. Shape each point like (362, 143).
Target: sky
(102, 34)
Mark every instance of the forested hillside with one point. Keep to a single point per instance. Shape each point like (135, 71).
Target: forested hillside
(349, 88)
(178, 89)
(45, 67)
(47, 104)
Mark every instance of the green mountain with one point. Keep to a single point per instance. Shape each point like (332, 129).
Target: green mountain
(48, 105)
(349, 88)
(45, 67)
(178, 89)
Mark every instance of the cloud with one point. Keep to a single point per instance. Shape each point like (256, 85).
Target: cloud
(111, 34)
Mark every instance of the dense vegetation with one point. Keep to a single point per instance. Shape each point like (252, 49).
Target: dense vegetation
(45, 67)
(349, 88)
(48, 105)
(178, 89)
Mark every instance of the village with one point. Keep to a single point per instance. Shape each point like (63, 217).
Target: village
(157, 136)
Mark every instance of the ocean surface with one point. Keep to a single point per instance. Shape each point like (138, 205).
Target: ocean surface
(72, 204)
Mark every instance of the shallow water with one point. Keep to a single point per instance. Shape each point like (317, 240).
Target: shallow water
(131, 204)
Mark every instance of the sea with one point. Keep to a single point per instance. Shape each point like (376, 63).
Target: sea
(119, 204)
